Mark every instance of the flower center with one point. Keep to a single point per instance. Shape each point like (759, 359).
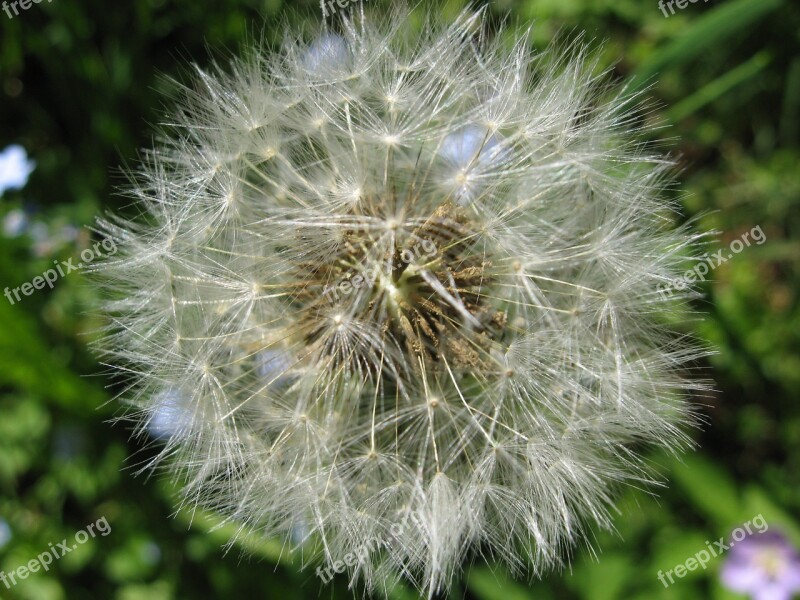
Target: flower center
(419, 283)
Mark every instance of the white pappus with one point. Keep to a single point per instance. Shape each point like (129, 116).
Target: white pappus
(489, 395)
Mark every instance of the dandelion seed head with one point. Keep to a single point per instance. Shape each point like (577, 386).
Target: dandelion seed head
(408, 292)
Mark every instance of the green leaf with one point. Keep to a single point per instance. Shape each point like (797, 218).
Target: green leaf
(160, 590)
(710, 489)
(711, 29)
(29, 364)
(673, 549)
(604, 578)
(719, 87)
(757, 502)
(496, 584)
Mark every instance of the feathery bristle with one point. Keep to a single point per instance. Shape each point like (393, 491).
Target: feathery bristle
(406, 292)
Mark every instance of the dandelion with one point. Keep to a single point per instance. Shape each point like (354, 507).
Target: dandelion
(486, 396)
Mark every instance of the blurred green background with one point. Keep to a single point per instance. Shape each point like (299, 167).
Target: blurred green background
(81, 82)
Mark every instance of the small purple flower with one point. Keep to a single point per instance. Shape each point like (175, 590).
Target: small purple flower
(766, 566)
(14, 168)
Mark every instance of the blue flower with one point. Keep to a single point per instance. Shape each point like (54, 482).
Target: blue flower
(473, 155)
(328, 53)
(14, 168)
(15, 223)
(171, 416)
(273, 366)
(5, 533)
